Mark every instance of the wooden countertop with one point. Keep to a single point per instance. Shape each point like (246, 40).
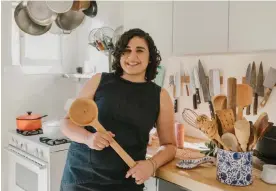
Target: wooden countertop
(204, 176)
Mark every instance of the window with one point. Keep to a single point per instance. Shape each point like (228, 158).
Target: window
(44, 51)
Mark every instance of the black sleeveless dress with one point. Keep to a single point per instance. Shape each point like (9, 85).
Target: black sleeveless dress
(129, 110)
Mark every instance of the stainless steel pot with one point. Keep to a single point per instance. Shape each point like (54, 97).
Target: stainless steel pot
(40, 13)
(70, 20)
(25, 23)
(60, 6)
(92, 9)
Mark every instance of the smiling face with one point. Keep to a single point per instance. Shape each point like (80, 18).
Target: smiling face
(135, 58)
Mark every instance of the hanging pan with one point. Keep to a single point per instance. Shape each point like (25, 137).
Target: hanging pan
(25, 23)
(70, 20)
(92, 10)
(40, 13)
(60, 6)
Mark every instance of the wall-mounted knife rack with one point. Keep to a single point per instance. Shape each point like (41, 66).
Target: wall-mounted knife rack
(244, 81)
(186, 79)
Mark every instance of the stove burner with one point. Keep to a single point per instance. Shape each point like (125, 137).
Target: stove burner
(29, 133)
(53, 142)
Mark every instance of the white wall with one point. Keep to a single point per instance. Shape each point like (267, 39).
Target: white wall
(230, 65)
(43, 94)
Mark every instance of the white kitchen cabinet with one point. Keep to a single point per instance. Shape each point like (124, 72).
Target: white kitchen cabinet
(252, 26)
(153, 17)
(200, 27)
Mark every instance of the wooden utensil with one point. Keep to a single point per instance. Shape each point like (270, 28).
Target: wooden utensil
(219, 102)
(243, 98)
(242, 132)
(227, 120)
(248, 81)
(253, 137)
(209, 127)
(231, 141)
(80, 5)
(231, 94)
(262, 125)
(84, 112)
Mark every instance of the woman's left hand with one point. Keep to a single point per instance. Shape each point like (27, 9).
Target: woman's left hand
(142, 171)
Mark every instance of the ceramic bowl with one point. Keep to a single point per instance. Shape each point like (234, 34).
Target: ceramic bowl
(268, 174)
(234, 168)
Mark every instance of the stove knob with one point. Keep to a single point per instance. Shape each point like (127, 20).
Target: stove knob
(36, 152)
(41, 155)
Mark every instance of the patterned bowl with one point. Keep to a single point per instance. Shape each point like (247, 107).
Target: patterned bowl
(234, 168)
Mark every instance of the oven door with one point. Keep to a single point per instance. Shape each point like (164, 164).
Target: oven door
(26, 172)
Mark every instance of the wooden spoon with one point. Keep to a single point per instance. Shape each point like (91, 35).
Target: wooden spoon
(220, 102)
(231, 141)
(84, 112)
(242, 132)
(209, 127)
(253, 137)
(243, 99)
(262, 125)
(231, 94)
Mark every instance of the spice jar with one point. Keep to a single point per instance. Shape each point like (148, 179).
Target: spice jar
(179, 135)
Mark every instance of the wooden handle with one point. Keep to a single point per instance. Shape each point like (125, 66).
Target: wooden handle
(218, 139)
(187, 90)
(255, 104)
(266, 96)
(248, 110)
(240, 113)
(231, 94)
(119, 150)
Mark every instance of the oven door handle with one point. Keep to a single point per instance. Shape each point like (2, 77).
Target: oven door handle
(26, 157)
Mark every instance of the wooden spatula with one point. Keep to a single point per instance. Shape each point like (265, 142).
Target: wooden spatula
(243, 99)
(231, 94)
(84, 112)
(227, 120)
(242, 132)
(209, 127)
(231, 141)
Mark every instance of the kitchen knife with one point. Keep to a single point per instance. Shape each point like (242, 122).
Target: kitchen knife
(269, 83)
(205, 88)
(259, 88)
(248, 81)
(214, 82)
(187, 89)
(193, 89)
(197, 84)
(183, 83)
(260, 81)
(253, 84)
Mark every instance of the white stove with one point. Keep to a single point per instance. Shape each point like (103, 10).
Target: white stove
(34, 165)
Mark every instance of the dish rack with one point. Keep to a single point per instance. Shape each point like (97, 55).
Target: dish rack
(104, 40)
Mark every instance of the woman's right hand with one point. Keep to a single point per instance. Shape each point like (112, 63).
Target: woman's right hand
(99, 140)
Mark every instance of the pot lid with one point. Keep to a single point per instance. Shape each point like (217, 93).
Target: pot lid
(28, 116)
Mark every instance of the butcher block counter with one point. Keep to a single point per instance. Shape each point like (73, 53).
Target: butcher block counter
(204, 176)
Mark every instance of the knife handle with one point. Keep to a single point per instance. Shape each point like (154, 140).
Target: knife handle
(266, 96)
(248, 110)
(211, 108)
(255, 104)
(194, 101)
(198, 96)
(188, 94)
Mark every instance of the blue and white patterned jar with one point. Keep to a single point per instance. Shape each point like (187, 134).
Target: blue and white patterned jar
(234, 168)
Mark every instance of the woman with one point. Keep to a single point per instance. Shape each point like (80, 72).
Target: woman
(130, 105)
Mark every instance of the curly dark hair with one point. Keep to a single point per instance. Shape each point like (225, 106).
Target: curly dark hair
(154, 54)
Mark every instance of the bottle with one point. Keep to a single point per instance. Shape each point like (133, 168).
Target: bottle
(179, 135)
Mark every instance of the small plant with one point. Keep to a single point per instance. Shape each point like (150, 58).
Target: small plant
(212, 149)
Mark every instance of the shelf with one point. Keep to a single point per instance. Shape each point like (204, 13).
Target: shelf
(79, 76)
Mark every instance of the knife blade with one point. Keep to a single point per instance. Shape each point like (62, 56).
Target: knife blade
(253, 83)
(260, 81)
(248, 81)
(205, 88)
(193, 89)
(269, 83)
(197, 84)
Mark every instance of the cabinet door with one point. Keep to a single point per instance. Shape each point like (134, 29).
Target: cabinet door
(200, 27)
(252, 26)
(154, 18)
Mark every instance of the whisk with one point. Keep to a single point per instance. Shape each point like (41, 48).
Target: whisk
(190, 117)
